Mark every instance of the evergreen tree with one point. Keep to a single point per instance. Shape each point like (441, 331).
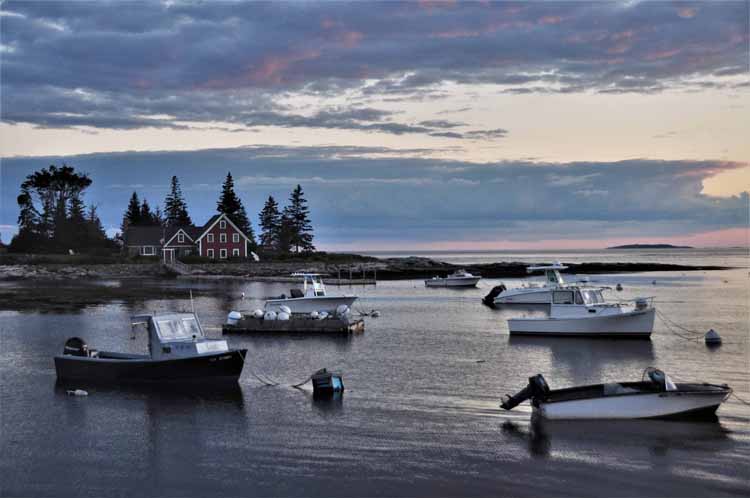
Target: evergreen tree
(270, 224)
(147, 217)
(231, 205)
(175, 209)
(297, 213)
(132, 216)
(58, 191)
(158, 217)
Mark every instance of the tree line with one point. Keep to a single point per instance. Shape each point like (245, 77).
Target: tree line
(54, 219)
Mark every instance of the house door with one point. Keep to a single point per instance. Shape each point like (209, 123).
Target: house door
(168, 256)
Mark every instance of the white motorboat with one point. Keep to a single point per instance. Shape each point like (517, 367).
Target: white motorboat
(312, 297)
(532, 293)
(655, 397)
(579, 311)
(460, 278)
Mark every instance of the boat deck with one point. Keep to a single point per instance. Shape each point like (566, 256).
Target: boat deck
(623, 389)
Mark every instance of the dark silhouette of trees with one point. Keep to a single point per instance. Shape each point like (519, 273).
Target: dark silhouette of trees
(296, 221)
(52, 215)
(175, 208)
(270, 225)
(231, 205)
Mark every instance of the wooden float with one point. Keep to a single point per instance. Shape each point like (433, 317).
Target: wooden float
(297, 323)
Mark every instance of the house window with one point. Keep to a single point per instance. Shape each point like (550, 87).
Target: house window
(180, 238)
(235, 237)
(148, 251)
(210, 237)
(222, 254)
(222, 224)
(235, 252)
(210, 253)
(222, 237)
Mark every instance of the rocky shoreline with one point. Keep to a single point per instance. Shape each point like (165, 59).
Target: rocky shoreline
(386, 269)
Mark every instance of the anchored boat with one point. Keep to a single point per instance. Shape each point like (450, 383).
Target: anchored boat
(578, 311)
(312, 297)
(460, 278)
(655, 397)
(178, 352)
(530, 293)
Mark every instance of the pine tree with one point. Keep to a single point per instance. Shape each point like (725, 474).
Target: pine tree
(297, 213)
(147, 217)
(175, 209)
(132, 216)
(231, 205)
(270, 224)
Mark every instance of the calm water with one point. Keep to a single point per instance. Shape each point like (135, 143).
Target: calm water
(420, 414)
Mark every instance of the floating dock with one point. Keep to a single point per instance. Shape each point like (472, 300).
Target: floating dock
(295, 324)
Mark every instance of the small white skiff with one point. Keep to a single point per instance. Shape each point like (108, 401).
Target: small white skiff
(579, 311)
(656, 397)
(460, 278)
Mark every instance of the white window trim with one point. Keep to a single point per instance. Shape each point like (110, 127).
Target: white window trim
(222, 224)
(180, 238)
(151, 251)
(210, 253)
(210, 237)
(222, 254)
(222, 237)
(235, 252)
(235, 237)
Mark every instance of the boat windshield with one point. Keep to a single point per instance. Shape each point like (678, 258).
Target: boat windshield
(178, 328)
(593, 296)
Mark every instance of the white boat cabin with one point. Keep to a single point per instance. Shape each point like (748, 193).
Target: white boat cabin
(551, 273)
(572, 302)
(176, 335)
(312, 285)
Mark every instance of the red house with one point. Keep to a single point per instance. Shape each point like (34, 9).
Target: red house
(222, 239)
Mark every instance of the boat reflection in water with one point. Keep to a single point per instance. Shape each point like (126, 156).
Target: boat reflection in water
(557, 438)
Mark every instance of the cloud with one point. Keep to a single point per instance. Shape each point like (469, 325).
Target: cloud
(390, 196)
(96, 64)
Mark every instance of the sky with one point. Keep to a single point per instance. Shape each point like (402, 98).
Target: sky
(422, 125)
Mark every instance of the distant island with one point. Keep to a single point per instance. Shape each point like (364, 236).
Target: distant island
(650, 246)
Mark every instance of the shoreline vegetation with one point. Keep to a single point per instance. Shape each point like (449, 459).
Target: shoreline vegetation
(333, 265)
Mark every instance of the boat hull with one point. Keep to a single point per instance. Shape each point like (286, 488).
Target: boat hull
(218, 367)
(310, 304)
(635, 324)
(530, 296)
(647, 405)
(452, 282)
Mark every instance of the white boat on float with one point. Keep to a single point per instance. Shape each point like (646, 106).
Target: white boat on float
(312, 297)
(460, 278)
(654, 397)
(532, 293)
(579, 311)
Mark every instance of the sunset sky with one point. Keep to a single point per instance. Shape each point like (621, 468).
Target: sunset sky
(425, 125)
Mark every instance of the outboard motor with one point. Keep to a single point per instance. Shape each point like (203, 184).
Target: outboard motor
(75, 346)
(537, 388)
(489, 299)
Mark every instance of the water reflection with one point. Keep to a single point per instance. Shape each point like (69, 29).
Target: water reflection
(583, 360)
(544, 438)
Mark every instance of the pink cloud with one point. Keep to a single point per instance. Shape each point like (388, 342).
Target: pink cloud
(687, 12)
(663, 54)
(350, 39)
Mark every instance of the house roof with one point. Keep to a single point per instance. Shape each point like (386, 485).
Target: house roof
(156, 236)
(213, 220)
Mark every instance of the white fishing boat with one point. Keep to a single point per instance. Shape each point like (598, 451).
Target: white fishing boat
(578, 311)
(656, 396)
(312, 297)
(531, 293)
(460, 278)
